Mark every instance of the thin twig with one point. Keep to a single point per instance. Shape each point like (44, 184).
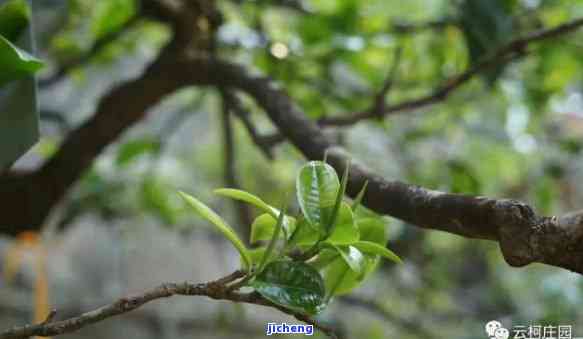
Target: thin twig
(380, 99)
(506, 53)
(230, 163)
(264, 143)
(218, 289)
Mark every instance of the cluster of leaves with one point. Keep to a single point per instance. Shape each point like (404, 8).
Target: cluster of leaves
(329, 249)
(15, 63)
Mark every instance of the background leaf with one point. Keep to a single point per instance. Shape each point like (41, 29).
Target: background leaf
(14, 17)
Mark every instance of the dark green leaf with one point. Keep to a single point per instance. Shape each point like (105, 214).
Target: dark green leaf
(294, 285)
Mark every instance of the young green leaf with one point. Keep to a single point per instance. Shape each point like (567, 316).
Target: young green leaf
(372, 248)
(264, 225)
(317, 186)
(373, 230)
(291, 284)
(257, 202)
(339, 196)
(346, 231)
(358, 200)
(305, 235)
(15, 63)
(273, 240)
(340, 279)
(352, 257)
(208, 214)
(256, 255)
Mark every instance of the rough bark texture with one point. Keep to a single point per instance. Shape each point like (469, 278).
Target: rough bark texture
(524, 236)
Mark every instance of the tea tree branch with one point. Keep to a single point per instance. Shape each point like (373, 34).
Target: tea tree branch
(506, 53)
(218, 289)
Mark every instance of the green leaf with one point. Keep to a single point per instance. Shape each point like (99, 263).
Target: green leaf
(154, 197)
(15, 63)
(248, 198)
(340, 279)
(208, 214)
(352, 257)
(257, 202)
(346, 231)
(256, 255)
(14, 17)
(110, 15)
(294, 285)
(317, 186)
(273, 240)
(372, 248)
(372, 229)
(339, 196)
(358, 200)
(305, 234)
(262, 228)
(133, 149)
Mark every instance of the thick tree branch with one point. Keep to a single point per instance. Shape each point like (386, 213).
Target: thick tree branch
(27, 200)
(524, 236)
(503, 55)
(219, 290)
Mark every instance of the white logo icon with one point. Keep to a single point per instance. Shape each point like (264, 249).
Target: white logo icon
(495, 330)
(501, 333)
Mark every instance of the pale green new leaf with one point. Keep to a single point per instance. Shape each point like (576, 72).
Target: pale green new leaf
(369, 247)
(257, 202)
(317, 186)
(208, 214)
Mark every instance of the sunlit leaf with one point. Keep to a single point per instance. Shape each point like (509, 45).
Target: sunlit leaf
(257, 202)
(208, 214)
(372, 248)
(352, 257)
(317, 186)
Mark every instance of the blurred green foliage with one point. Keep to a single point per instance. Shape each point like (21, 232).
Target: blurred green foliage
(514, 132)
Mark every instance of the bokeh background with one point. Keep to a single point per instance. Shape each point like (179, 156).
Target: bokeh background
(515, 131)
